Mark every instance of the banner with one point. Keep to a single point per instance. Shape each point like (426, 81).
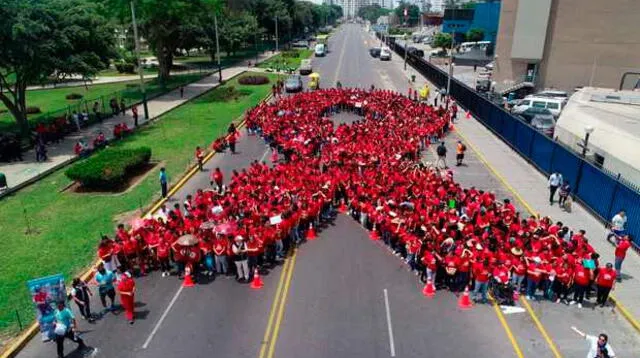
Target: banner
(45, 293)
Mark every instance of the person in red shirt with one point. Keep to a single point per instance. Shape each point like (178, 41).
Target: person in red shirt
(451, 264)
(564, 278)
(534, 276)
(480, 271)
(621, 252)
(581, 279)
(127, 288)
(217, 177)
(429, 260)
(605, 282)
(220, 249)
(163, 251)
(199, 157)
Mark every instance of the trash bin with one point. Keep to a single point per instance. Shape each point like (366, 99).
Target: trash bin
(413, 78)
(3, 181)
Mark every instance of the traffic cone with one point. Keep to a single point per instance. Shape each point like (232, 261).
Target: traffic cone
(468, 115)
(465, 301)
(342, 208)
(429, 289)
(257, 283)
(374, 236)
(188, 280)
(311, 234)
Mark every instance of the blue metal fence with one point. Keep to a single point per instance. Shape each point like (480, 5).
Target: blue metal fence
(602, 192)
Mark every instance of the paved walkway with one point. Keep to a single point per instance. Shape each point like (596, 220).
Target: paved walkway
(21, 173)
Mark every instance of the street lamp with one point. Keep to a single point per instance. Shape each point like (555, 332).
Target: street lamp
(140, 69)
(215, 24)
(587, 133)
(451, 67)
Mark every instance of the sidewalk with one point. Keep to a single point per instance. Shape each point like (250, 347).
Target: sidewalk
(531, 188)
(23, 173)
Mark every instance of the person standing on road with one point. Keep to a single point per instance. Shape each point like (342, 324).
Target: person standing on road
(621, 252)
(239, 249)
(441, 151)
(555, 181)
(582, 279)
(618, 223)
(127, 289)
(217, 178)
(460, 149)
(105, 280)
(605, 283)
(232, 137)
(220, 249)
(66, 328)
(599, 347)
(80, 294)
(163, 181)
(199, 157)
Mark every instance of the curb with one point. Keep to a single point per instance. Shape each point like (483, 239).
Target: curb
(19, 343)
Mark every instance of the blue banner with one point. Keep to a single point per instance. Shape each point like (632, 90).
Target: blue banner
(45, 293)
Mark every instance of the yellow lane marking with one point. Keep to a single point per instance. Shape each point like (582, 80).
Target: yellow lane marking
(541, 328)
(274, 308)
(283, 302)
(507, 329)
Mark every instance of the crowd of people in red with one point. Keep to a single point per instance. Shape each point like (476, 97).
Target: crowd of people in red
(454, 237)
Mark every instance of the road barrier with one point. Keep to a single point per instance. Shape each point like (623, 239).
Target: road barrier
(602, 192)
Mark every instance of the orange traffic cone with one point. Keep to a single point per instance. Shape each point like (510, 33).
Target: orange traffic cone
(468, 115)
(374, 236)
(188, 280)
(429, 289)
(311, 234)
(342, 208)
(257, 283)
(465, 301)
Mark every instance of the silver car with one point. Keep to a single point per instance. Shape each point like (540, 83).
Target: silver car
(293, 84)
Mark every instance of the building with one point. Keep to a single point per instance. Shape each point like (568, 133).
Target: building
(437, 5)
(485, 16)
(350, 7)
(566, 44)
(613, 117)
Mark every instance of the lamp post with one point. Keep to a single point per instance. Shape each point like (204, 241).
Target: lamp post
(406, 51)
(451, 67)
(215, 24)
(276, 33)
(140, 69)
(587, 133)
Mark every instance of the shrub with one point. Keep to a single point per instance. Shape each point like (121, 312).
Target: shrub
(253, 80)
(226, 94)
(109, 168)
(73, 96)
(33, 110)
(126, 67)
(291, 54)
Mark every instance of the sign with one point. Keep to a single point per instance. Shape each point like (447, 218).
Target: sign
(45, 293)
(275, 220)
(511, 309)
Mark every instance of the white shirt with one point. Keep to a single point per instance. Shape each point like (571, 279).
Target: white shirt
(555, 179)
(593, 347)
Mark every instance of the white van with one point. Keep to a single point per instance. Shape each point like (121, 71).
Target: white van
(554, 104)
(320, 50)
(385, 54)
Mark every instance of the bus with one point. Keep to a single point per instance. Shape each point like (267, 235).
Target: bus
(323, 39)
(467, 46)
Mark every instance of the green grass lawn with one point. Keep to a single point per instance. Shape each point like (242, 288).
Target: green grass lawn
(281, 62)
(68, 225)
(52, 102)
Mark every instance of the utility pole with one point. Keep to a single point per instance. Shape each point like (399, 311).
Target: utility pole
(215, 24)
(140, 68)
(276, 33)
(406, 51)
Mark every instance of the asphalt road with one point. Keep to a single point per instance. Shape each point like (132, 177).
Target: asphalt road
(329, 297)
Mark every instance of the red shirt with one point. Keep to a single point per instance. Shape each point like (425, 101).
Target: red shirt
(429, 260)
(451, 262)
(582, 276)
(606, 277)
(533, 272)
(501, 274)
(480, 272)
(621, 249)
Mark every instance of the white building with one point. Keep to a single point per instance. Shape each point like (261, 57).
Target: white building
(614, 118)
(350, 7)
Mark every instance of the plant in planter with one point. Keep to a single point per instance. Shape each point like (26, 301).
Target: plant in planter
(253, 80)
(74, 96)
(109, 168)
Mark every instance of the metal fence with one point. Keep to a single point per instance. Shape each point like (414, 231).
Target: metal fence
(602, 192)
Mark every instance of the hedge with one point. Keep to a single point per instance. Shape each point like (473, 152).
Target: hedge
(253, 80)
(109, 168)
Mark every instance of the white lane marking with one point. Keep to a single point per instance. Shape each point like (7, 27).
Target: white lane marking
(264, 155)
(512, 309)
(344, 46)
(164, 315)
(392, 345)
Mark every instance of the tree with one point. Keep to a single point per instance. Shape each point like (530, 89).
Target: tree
(413, 13)
(469, 5)
(235, 29)
(39, 39)
(475, 35)
(372, 12)
(442, 40)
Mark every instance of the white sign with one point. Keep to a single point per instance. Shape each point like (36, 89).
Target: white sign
(275, 220)
(512, 309)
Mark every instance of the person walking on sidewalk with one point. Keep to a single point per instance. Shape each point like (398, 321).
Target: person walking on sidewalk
(181, 91)
(199, 157)
(618, 223)
(599, 347)
(441, 151)
(621, 252)
(555, 181)
(163, 181)
(605, 283)
(460, 149)
(134, 112)
(565, 190)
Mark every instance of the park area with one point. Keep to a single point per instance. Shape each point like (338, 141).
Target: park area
(287, 60)
(49, 229)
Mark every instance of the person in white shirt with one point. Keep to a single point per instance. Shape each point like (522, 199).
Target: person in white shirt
(618, 223)
(599, 346)
(555, 181)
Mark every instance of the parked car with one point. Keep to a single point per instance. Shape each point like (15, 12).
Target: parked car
(530, 113)
(553, 104)
(544, 124)
(416, 52)
(483, 85)
(489, 66)
(300, 44)
(320, 50)
(293, 84)
(305, 67)
(375, 52)
(385, 54)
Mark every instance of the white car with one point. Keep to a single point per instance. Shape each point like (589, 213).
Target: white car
(554, 105)
(385, 54)
(320, 50)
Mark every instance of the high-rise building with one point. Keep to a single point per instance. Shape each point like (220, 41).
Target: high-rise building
(350, 7)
